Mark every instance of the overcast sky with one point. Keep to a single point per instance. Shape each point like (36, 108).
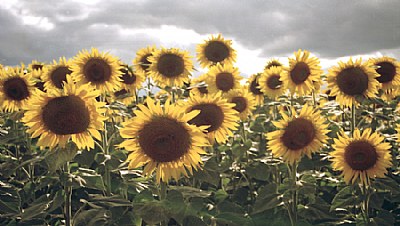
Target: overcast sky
(260, 30)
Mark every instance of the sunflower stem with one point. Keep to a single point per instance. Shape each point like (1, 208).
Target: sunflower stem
(353, 118)
(365, 204)
(107, 176)
(68, 196)
(163, 196)
(292, 210)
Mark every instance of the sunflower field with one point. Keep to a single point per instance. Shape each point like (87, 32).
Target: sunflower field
(93, 140)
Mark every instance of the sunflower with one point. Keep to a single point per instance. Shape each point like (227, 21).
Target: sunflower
(131, 80)
(223, 78)
(63, 114)
(16, 88)
(361, 157)
(298, 135)
(273, 63)
(170, 67)
(302, 73)
(55, 74)
(215, 50)
(243, 100)
(254, 88)
(36, 68)
(101, 70)
(216, 113)
(352, 79)
(198, 85)
(162, 140)
(141, 61)
(389, 72)
(271, 83)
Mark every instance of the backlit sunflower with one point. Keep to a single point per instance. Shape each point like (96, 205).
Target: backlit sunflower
(198, 85)
(361, 157)
(243, 100)
(141, 61)
(161, 139)
(302, 73)
(124, 96)
(60, 115)
(100, 69)
(254, 88)
(56, 74)
(271, 83)
(215, 50)
(349, 80)
(298, 135)
(223, 78)
(16, 88)
(389, 72)
(215, 112)
(273, 63)
(170, 67)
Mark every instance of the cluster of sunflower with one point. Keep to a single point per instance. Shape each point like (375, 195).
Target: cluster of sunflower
(71, 101)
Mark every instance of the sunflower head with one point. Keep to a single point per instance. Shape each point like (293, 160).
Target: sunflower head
(198, 85)
(253, 86)
(130, 79)
(161, 139)
(243, 100)
(298, 135)
(273, 63)
(16, 87)
(352, 79)
(141, 61)
(388, 70)
(215, 50)
(271, 83)
(170, 67)
(60, 115)
(217, 115)
(55, 74)
(36, 68)
(361, 157)
(302, 73)
(100, 70)
(223, 78)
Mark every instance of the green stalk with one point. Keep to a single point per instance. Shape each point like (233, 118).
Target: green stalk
(68, 196)
(163, 196)
(104, 138)
(292, 210)
(353, 118)
(365, 204)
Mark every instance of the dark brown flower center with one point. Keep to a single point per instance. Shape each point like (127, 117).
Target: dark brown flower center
(360, 155)
(97, 71)
(128, 77)
(66, 115)
(202, 89)
(216, 51)
(16, 88)
(298, 134)
(210, 114)
(37, 66)
(387, 71)
(225, 81)
(144, 62)
(171, 65)
(300, 72)
(273, 64)
(352, 81)
(40, 85)
(254, 87)
(120, 93)
(59, 75)
(273, 82)
(240, 104)
(164, 139)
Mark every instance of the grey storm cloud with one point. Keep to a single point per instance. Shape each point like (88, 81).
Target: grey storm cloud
(330, 28)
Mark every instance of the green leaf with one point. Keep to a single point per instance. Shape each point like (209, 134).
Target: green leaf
(220, 195)
(344, 198)
(58, 157)
(37, 208)
(90, 217)
(192, 220)
(267, 199)
(152, 212)
(228, 206)
(259, 171)
(384, 218)
(9, 199)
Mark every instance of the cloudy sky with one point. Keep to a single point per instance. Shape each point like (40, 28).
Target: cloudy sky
(331, 29)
